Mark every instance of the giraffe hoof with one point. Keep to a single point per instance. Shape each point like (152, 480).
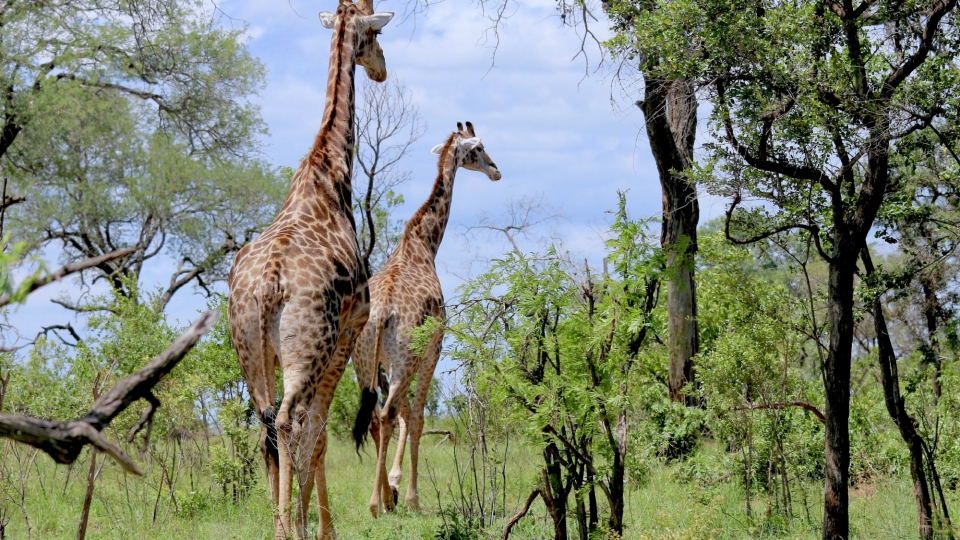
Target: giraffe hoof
(396, 496)
(413, 505)
(374, 510)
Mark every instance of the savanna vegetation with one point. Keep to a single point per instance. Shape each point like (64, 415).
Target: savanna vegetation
(790, 370)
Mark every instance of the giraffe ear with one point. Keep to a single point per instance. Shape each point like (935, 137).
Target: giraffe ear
(436, 150)
(470, 143)
(327, 19)
(376, 21)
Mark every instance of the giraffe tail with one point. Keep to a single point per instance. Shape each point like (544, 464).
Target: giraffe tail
(268, 295)
(269, 418)
(368, 390)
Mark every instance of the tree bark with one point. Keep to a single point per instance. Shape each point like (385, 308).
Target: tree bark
(890, 380)
(836, 383)
(554, 495)
(670, 113)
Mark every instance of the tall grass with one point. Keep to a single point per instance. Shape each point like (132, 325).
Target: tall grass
(663, 508)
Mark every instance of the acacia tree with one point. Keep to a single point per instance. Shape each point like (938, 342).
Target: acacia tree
(126, 124)
(556, 348)
(810, 101)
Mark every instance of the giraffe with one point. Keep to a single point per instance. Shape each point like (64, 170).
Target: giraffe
(402, 295)
(298, 293)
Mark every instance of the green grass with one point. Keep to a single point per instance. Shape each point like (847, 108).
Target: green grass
(663, 508)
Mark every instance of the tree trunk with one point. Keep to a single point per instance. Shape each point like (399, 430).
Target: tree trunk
(670, 112)
(931, 312)
(618, 474)
(836, 383)
(895, 407)
(554, 495)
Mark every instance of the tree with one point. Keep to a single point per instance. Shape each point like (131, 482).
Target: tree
(556, 349)
(388, 123)
(810, 101)
(126, 125)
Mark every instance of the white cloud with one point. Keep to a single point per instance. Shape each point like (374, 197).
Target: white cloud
(550, 130)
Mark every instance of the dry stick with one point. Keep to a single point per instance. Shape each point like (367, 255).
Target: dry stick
(523, 511)
(63, 441)
(448, 436)
(92, 473)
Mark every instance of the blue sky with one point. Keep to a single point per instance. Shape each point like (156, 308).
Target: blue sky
(560, 133)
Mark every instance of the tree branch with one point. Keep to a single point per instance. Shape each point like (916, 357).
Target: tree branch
(519, 515)
(780, 406)
(63, 441)
(898, 75)
(813, 229)
(68, 269)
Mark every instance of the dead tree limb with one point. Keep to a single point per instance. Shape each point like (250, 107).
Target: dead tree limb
(447, 435)
(68, 269)
(780, 406)
(519, 515)
(63, 441)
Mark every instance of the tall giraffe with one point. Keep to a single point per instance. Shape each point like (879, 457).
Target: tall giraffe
(402, 295)
(298, 294)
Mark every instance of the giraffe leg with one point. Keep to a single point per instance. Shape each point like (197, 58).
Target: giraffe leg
(353, 318)
(306, 479)
(284, 475)
(259, 371)
(428, 364)
(307, 354)
(396, 473)
(325, 530)
(327, 386)
(382, 493)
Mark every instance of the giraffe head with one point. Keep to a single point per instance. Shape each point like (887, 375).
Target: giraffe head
(470, 153)
(369, 25)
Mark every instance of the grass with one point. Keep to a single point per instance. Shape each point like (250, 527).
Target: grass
(664, 508)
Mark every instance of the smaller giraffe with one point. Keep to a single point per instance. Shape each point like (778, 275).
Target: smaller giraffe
(402, 295)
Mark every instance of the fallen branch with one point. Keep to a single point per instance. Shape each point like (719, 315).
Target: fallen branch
(523, 511)
(71, 268)
(780, 406)
(63, 441)
(447, 435)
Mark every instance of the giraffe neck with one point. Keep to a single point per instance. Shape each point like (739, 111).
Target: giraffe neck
(430, 221)
(331, 158)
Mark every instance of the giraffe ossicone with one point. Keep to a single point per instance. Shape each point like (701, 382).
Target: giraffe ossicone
(402, 295)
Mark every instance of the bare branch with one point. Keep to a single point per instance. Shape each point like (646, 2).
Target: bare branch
(519, 515)
(63, 441)
(68, 269)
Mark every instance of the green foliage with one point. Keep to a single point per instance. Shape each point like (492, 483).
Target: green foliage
(129, 126)
(235, 466)
(421, 335)
(458, 527)
(344, 407)
(12, 256)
